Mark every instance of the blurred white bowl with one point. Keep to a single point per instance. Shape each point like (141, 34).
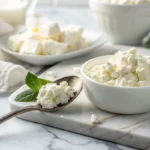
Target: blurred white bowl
(123, 24)
(122, 100)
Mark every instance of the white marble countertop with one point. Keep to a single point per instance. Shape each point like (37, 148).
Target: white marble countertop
(18, 134)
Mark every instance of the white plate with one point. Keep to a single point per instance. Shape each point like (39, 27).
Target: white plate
(93, 37)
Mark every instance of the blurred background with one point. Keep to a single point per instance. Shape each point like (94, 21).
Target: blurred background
(73, 3)
(68, 12)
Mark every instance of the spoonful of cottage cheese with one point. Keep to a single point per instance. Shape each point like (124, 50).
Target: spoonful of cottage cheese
(52, 95)
(125, 68)
(48, 96)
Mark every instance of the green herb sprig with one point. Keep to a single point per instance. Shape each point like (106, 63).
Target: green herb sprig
(34, 83)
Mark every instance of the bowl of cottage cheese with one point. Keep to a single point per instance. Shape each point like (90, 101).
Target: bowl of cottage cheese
(122, 21)
(118, 83)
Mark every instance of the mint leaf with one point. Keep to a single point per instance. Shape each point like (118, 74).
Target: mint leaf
(43, 81)
(31, 81)
(35, 83)
(27, 96)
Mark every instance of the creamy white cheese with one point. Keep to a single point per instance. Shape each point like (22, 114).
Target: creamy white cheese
(94, 119)
(32, 47)
(74, 28)
(51, 47)
(15, 42)
(48, 39)
(31, 35)
(52, 95)
(72, 35)
(126, 2)
(49, 29)
(125, 68)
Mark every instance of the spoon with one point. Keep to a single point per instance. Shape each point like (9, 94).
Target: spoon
(73, 81)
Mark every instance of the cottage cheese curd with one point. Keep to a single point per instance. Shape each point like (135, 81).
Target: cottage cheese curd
(125, 68)
(52, 95)
(126, 2)
(35, 47)
(49, 29)
(48, 39)
(15, 42)
(51, 47)
(94, 119)
(72, 35)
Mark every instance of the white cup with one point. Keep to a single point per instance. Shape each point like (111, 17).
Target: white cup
(14, 11)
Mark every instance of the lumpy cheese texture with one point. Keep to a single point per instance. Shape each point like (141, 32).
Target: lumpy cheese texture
(125, 68)
(126, 2)
(52, 95)
(94, 119)
(47, 38)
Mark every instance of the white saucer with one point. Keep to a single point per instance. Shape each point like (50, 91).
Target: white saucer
(93, 37)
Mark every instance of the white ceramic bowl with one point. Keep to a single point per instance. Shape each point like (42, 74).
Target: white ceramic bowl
(123, 24)
(122, 100)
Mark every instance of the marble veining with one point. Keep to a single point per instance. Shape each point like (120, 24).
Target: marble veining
(130, 130)
(18, 134)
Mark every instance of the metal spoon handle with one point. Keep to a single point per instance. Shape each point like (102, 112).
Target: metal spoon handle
(18, 112)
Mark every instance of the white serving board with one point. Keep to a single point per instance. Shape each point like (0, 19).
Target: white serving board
(130, 130)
